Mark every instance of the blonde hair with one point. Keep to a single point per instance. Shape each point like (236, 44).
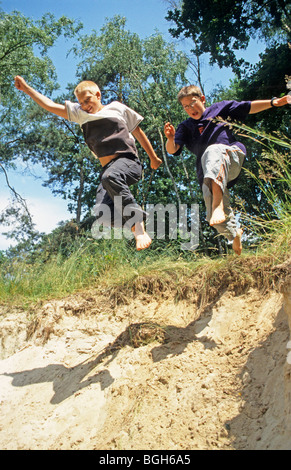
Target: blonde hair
(190, 90)
(87, 85)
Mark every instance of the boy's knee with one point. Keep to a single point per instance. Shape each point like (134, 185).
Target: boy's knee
(108, 179)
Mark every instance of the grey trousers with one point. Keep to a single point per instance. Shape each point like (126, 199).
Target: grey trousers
(222, 164)
(115, 204)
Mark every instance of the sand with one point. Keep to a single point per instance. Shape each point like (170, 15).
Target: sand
(83, 373)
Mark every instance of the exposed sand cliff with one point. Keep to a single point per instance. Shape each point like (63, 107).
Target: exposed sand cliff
(87, 372)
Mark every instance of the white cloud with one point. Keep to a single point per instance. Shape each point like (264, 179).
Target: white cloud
(46, 214)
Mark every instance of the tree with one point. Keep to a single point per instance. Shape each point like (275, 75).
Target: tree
(60, 148)
(24, 47)
(137, 73)
(110, 57)
(221, 28)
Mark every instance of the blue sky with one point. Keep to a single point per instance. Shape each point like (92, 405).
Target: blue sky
(143, 17)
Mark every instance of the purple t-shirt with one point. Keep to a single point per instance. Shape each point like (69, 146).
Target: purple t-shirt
(197, 135)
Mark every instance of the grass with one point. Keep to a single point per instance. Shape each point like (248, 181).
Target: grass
(97, 264)
(126, 276)
(24, 282)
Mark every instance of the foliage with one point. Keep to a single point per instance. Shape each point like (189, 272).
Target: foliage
(110, 57)
(24, 47)
(223, 28)
(60, 148)
(64, 262)
(24, 51)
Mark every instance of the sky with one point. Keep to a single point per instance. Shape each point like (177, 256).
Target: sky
(144, 18)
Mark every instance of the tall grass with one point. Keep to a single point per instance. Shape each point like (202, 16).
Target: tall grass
(93, 263)
(21, 281)
(271, 230)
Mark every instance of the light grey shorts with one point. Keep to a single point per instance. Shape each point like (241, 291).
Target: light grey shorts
(222, 164)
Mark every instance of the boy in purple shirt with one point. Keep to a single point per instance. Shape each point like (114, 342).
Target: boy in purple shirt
(219, 155)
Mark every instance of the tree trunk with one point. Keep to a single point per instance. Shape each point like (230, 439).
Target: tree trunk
(80, 194)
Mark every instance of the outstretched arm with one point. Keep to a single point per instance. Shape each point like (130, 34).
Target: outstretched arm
(140, 136)
(261, 105)
(41, 100)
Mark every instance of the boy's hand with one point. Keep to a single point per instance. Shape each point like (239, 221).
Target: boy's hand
(41, 100)
(20, 83)
(282, 101)
(169, 130)
(155, 163)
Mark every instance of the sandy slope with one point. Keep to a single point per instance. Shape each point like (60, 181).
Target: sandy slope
(148, 375)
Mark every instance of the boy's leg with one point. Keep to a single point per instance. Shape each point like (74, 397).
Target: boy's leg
(229, 228)
(237, 244)
(116, 179)
(220, 164)
(218, 214)
(106, 216)
(215, 162)
(231, 225)
(104, 208)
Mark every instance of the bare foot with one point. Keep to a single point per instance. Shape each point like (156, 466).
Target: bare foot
(237, 245)
(142, 239)
(218, 216)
